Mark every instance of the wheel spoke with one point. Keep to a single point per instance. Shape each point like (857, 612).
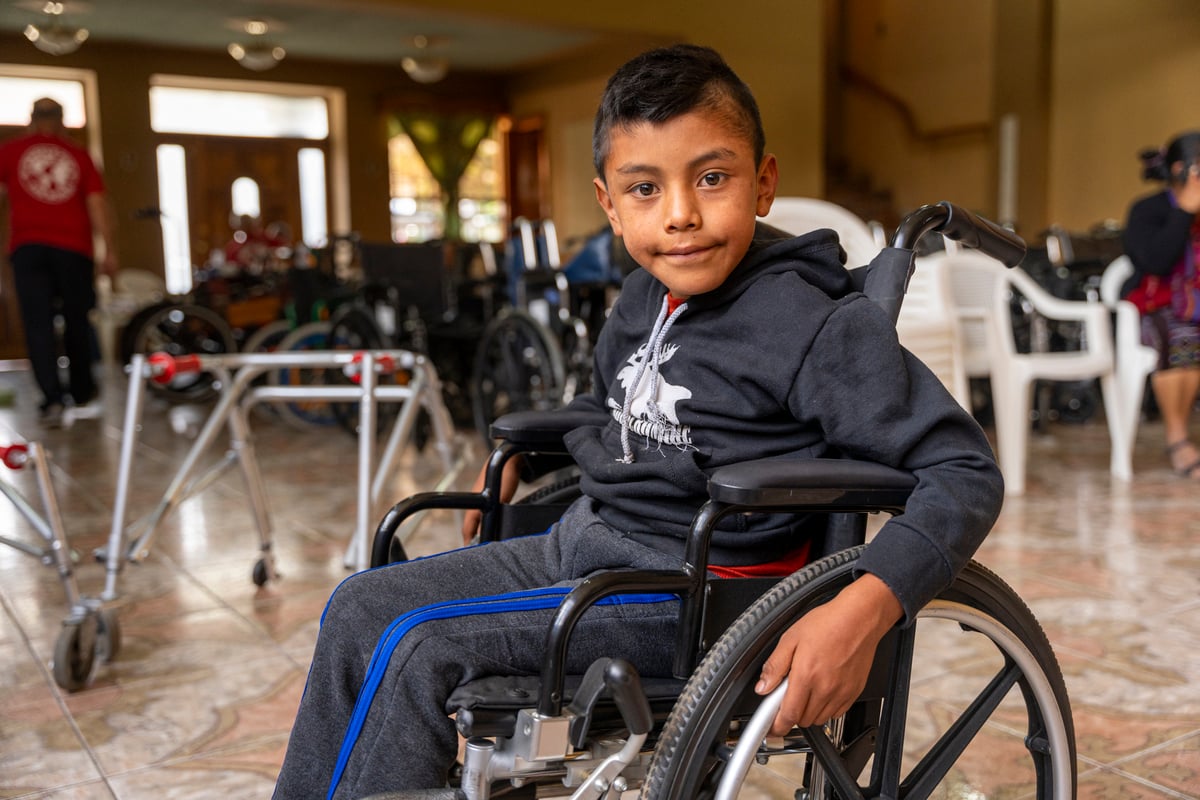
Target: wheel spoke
(937, 762)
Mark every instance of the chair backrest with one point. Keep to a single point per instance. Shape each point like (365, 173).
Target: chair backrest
(929, 328)
(974, 280)
(416, 271)
(1113, 278)
(800, 215)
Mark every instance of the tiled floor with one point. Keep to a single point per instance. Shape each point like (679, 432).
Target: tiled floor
(199, 701)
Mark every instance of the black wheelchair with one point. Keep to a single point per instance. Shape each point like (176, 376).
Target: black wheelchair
(1005, 717)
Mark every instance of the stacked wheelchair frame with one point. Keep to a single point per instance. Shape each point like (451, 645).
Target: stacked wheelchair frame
(703, 733)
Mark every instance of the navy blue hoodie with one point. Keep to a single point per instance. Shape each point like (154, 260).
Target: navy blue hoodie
(783, 360)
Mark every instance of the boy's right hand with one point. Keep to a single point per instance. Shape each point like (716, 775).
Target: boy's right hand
(509, 481)
(827, 654)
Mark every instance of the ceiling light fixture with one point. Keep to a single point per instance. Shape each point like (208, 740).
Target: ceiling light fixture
(424, 68)
(257, 54)
(54, 36)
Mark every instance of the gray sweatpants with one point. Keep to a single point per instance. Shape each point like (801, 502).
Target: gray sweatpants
(396, 641)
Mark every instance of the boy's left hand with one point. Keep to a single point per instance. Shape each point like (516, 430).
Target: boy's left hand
(826, 655)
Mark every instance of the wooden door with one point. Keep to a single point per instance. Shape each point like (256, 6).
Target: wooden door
(528, 195)
(215, 162)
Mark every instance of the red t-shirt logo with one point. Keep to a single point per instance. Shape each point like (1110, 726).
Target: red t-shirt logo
(48, 173)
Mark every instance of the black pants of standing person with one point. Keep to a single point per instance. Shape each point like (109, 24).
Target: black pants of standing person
(52, 281)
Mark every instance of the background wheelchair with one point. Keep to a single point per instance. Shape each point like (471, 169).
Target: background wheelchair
(703, 733)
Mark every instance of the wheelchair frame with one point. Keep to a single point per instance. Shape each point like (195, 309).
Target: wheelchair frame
(599, 745)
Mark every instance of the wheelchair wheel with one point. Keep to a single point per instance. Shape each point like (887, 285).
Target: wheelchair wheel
(995, 721)
(354, 328)
(305, 413)
(267, 338)
(561, 492)
(518, 367)
(181, 329)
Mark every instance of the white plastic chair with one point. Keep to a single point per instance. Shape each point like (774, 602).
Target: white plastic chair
(115, 305)
(800, 215)
(982, 289)
(1135, 361)
(929, 328)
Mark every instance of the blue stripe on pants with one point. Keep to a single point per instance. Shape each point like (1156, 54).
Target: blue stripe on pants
(533, 600)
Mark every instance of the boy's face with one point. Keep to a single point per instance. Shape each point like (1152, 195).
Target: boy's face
(684, 196)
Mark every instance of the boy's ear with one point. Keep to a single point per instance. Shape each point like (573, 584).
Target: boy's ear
(605, 201)
(768, 182)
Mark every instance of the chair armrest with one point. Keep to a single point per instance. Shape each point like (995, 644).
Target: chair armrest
(1050, 306)
(535, 429)
(818, 483)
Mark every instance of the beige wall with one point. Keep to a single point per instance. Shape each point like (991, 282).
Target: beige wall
(1126, 75)
(916, 100)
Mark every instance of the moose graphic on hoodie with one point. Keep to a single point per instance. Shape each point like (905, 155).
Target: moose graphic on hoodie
(650, 400)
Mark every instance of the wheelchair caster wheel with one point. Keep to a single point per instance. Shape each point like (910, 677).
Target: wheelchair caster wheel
(260, 576)
(75, 654)
(108, 636)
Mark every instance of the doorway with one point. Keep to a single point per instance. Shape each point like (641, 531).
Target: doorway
(214, 164)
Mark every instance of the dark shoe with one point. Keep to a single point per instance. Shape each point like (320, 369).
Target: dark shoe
(1185, 466)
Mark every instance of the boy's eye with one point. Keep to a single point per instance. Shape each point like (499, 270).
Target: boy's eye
(643, 189)
(712, 179)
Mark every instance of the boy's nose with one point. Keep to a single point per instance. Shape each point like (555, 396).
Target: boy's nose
(683, 213)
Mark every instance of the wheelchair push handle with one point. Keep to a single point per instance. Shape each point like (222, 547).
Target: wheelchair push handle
(965, 227)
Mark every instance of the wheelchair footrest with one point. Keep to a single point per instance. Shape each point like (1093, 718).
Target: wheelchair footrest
(488, 706)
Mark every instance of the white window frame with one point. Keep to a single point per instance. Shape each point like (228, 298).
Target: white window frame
(91, 96)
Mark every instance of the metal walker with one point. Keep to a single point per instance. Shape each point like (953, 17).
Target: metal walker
(90, 632)
(235, 374)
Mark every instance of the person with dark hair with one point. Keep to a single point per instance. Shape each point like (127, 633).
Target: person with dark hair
(1162, 237)
(732, 341)
(56, 201)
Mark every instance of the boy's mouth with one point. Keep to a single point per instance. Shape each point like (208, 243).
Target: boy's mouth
(685, 252)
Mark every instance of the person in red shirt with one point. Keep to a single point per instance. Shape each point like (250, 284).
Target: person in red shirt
(56, 204)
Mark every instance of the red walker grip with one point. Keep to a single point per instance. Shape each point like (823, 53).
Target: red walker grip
(164, 366)
(14, 456)
(384, 364)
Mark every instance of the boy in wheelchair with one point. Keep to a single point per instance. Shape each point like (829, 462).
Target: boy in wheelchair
(734, 341)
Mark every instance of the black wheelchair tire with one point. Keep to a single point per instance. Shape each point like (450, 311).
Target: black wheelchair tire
(518, 367)
(561, 492)
(180, 329)
(685, 764)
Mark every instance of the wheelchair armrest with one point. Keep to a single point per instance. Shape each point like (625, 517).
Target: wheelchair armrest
(832, 484)
(535, 430)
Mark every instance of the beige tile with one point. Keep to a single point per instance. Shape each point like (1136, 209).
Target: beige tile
(39, 749)
(242, 773)
(92, 790)
(1115, 785)
(220, 705)
(1175, 765)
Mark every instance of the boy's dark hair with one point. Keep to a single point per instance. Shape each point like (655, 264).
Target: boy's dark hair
(662, 84)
